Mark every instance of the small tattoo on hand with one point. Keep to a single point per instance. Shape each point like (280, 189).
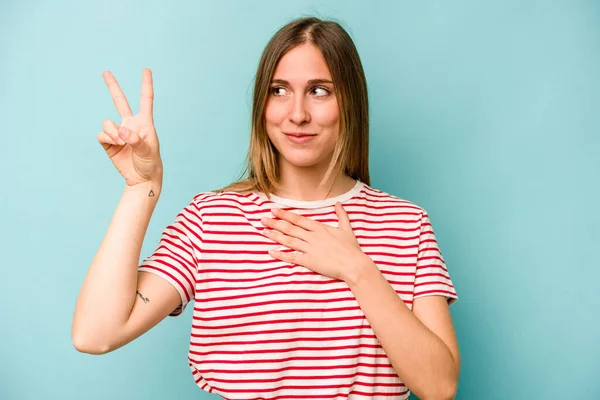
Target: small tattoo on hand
(145, 299)
(151, 194)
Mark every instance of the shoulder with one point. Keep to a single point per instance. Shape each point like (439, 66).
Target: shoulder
(406, 214)
(376, 198)
(207, 199)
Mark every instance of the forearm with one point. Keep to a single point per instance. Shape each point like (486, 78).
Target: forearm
(420, 358)
(109, 288)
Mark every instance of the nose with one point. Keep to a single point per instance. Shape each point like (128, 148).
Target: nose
(299, 113)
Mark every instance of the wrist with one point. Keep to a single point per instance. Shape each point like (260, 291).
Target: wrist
(147, 188)
(361, 269)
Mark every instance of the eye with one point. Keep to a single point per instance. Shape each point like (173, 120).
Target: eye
(275, 89)
(320, 91)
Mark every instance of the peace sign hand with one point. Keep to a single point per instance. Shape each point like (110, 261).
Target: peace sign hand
(133, 145)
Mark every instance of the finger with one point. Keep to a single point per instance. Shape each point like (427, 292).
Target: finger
(298, 220)
(117, 94)
(112, 130)
(290, 257)
(147, 98)
(139, 145)
(106, 141)
(286, 227)
(287, 241)
(343, 219)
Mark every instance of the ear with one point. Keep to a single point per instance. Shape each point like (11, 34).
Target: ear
(343, 219)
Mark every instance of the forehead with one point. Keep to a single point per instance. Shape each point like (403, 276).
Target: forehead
(302, 63)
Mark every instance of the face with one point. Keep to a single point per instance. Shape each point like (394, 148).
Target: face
(302, 115)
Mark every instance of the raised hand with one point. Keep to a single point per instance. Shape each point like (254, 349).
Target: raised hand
(133, 145)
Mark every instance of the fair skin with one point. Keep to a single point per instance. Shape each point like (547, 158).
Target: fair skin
(116, 303)
(420, 343)
(298, 105)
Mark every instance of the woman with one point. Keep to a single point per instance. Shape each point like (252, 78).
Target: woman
(306, 280)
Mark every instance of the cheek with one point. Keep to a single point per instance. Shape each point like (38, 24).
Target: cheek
(327, 115)
(274, 113)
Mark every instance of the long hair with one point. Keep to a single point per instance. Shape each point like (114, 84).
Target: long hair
(351, 153)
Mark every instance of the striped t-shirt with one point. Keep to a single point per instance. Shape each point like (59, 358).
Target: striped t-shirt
(266, 329)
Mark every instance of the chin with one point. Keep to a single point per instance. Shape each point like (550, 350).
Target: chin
(301, 159)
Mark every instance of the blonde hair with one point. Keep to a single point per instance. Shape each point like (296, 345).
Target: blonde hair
(351, 153)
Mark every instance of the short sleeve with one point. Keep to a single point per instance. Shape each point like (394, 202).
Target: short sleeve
(432, 276)
(174, 258)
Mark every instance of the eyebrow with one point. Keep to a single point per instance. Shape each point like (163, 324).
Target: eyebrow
(310, 82)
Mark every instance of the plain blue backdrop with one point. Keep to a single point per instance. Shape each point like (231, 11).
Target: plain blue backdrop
(485, 113)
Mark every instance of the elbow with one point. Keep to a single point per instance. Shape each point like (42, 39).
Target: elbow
(448, 395)
(444, 389)
(443, 396)
(446, 392)
(448, 387)
(87, 344)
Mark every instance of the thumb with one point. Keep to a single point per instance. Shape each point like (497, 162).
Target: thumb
(343, 219)
(132, 138)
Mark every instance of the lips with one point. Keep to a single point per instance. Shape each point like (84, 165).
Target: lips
(298, 134)
(298, 137)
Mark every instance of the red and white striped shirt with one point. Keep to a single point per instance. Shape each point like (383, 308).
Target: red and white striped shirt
(266, 329)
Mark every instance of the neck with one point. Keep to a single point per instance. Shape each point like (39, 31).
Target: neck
(299, 183)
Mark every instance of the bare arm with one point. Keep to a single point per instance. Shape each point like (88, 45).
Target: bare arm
(421, 345)
(116, 304)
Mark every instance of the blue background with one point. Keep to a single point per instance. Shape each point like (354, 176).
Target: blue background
(484, 113)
